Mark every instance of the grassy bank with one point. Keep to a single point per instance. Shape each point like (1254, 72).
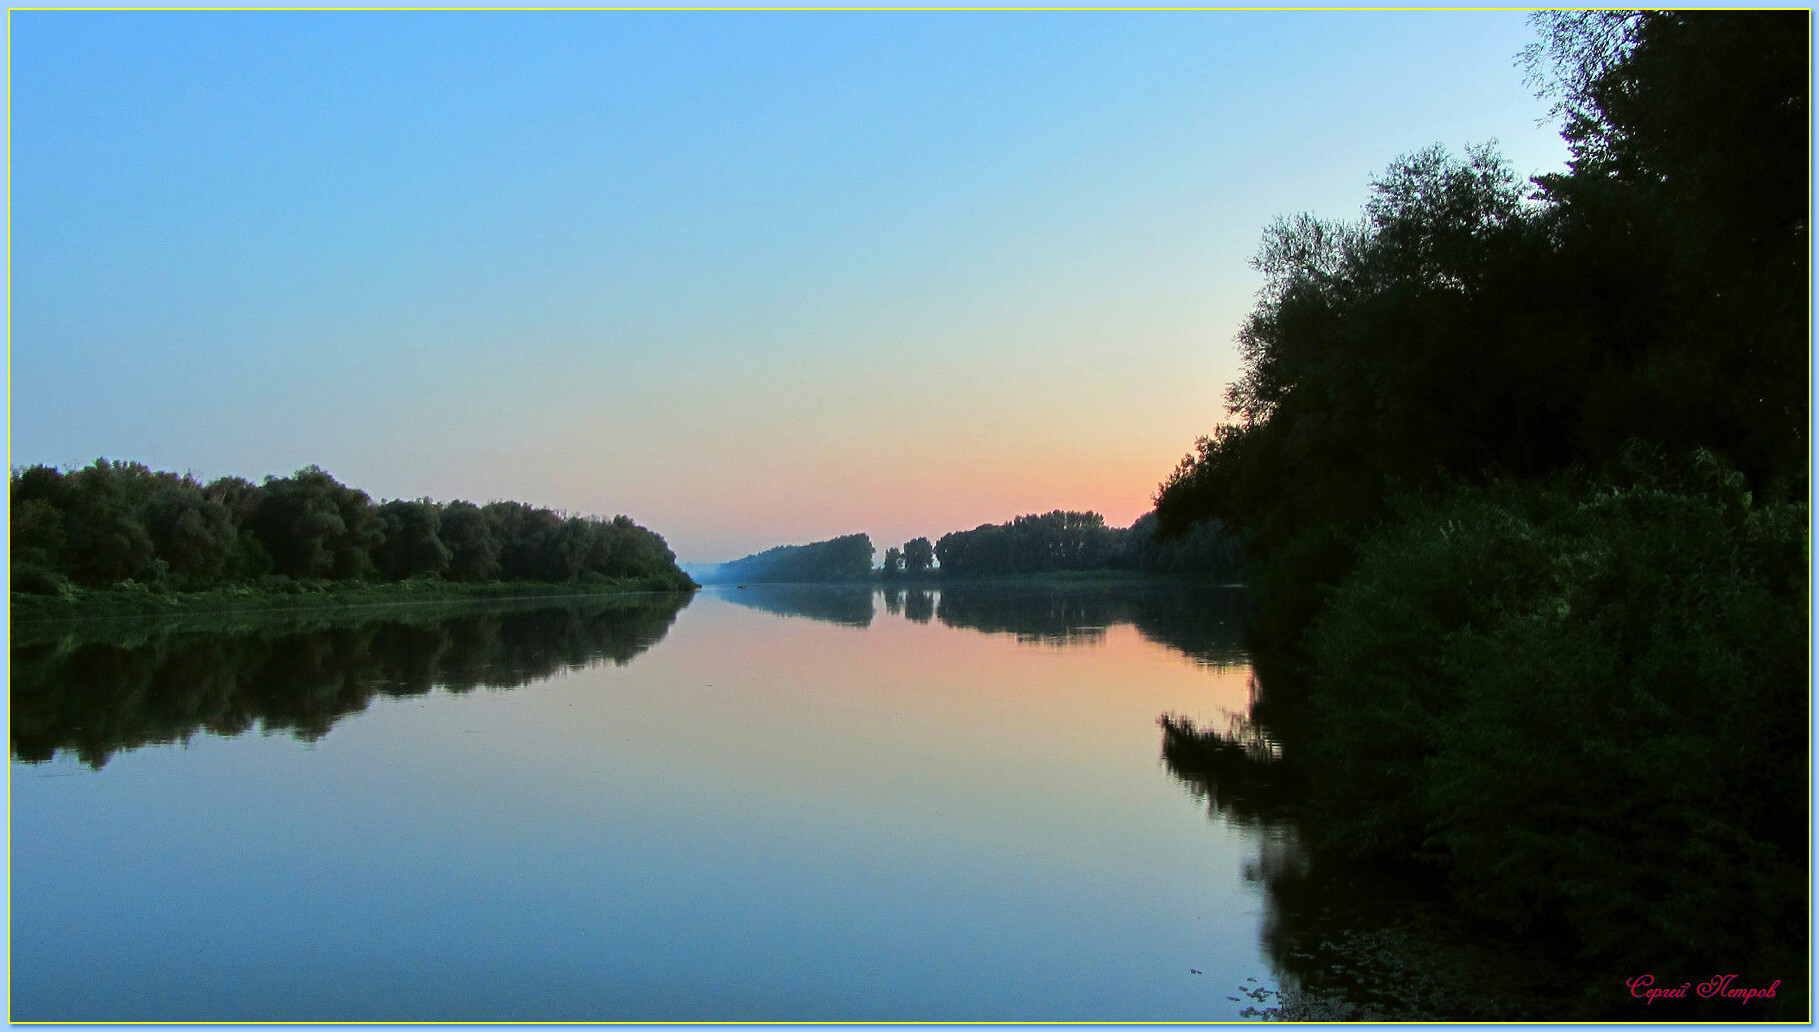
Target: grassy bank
(82, 603)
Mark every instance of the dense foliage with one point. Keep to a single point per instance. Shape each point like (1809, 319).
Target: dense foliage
(1064, 541)
(1031, 544)
(1526, 468)
(114, 523)
(1586, 703)
(1468, 327)
(915, 558)
(1204, 548)
(841, 558)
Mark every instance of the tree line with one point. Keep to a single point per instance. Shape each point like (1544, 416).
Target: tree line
(1062, 540)
(841, 558)
(1051, 542)
(121, 523)
(1525, 467)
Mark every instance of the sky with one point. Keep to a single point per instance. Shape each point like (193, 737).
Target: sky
(748, 278)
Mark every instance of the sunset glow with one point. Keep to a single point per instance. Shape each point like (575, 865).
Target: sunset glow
(748, 278)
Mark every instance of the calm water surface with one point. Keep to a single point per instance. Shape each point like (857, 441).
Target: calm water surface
(771, 803)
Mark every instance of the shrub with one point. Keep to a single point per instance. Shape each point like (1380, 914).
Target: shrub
(1588, 705)
(31, 579)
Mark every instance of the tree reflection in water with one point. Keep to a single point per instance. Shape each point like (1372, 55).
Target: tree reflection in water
(1204, 622)
(98, 688)
(1343, 944)
(1358, 945)
(849, 605)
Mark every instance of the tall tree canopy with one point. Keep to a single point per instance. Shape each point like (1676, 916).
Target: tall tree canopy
(1469, 325)
(1527, 468)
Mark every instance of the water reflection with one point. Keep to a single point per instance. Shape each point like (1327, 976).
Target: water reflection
(915, 604)
(1203, 622)
(1347, 944)
(1238, 772)
(96, 689)
(849, 605)
(758, 821)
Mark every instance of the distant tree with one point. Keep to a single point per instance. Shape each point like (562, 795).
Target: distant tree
(315, 527)
(194, 535)
(841, 558)
(250, 559)
(114, 521)
(468, 533)
(528, 541)
(1057, 540)
(105, 540)
(893, 561)
(918, 555)
(412, 546)
(624, 549)
(37, 497)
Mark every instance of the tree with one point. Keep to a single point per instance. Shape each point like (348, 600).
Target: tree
(106, 542)
(315, 527)
(1055, 540)
(411, 547)
(893, 561)
(194, 535)
(918, 555)
(112, 521)
(841, 558)
(1689, 138)
(468, 533)
(37, 519)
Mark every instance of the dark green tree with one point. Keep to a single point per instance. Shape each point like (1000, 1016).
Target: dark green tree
(468, 533)
(1484, 602)
(314, 527)
(194, 535)
(36, 501)
(918, 555)
(411, 546)
(105, 541)
(1053, 541)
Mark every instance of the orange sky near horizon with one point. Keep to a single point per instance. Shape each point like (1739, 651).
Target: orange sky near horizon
(749, 279)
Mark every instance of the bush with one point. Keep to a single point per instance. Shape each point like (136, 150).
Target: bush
(1588, 706)
(31, 579)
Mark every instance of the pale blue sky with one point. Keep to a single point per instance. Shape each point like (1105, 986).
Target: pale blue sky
(748, 278)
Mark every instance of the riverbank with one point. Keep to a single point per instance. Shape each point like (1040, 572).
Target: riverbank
(936, 578)
(1108, 577)
(77, 603)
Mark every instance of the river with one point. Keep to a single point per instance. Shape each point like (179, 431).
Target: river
(768, 803)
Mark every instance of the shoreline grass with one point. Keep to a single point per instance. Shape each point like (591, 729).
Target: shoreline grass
(85, 603)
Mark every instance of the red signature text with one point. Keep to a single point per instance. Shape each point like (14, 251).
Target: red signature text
(1643, 988)
(1720, 987)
